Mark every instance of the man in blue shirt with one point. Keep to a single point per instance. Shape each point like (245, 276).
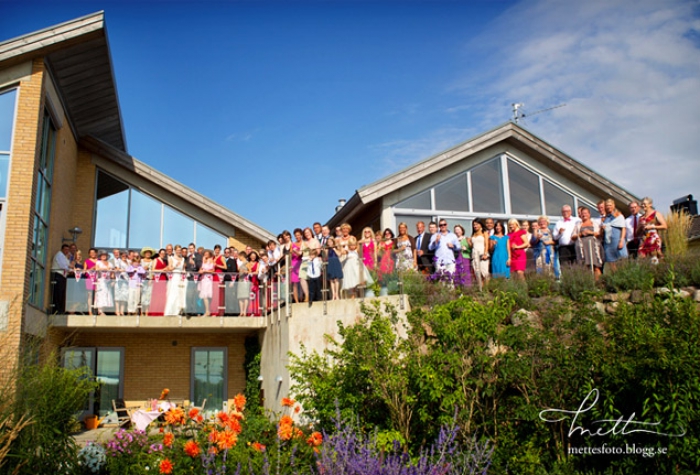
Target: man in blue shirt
(444, 243)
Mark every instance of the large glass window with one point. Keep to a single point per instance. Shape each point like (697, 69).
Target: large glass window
(112, 215)
(7, 118)
(177, 228)
(208, 238)
(555, 198)
(524, 190)
(453, 194)
(411, 222)
(144, 221)
(487, 187)
(419, 201)
(209, 371)
(42, 208)
(127, 218)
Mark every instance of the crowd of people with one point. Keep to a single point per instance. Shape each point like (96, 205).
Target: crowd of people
(185, 280)
(174, 280)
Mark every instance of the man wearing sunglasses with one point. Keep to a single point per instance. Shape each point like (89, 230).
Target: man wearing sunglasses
(444, 243)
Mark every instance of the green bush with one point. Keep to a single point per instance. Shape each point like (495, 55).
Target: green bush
(51, 396)
(578, 283)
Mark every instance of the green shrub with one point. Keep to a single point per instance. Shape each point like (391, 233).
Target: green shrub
(51, 396)
(639, 274)
(539, 285)
(578, 283)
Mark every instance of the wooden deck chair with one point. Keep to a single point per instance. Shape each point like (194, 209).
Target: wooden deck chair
(123, 414)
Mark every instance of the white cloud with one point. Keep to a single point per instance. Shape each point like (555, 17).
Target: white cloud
(629, 73)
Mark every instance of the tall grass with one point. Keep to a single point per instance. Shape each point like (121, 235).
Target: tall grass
(675, 238)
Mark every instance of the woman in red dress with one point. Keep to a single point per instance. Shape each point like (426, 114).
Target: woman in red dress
(219, 269)
(518, 244)
(160, 284)
(253, 267)
(648, 229)
(386, 263)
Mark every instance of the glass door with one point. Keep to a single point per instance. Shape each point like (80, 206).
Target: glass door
(107, 365)
(209, 381)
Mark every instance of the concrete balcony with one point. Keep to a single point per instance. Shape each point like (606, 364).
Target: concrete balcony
(169, 324)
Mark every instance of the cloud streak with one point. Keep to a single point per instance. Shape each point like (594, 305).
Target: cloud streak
(629, 72)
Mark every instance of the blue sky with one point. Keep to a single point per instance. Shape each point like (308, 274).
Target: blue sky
(278, 109)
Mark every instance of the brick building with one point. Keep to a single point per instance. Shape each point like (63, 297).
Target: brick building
(64, 165)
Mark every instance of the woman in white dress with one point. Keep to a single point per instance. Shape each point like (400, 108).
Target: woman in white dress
(354, 271)
(177, 295)
(121, 286)
(480, 253)
(103, 291)
(405, 257)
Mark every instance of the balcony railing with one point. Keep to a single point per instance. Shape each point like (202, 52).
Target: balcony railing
(117, 292)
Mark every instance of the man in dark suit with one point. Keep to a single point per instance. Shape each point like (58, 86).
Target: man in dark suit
(424, 259)
(192, 264)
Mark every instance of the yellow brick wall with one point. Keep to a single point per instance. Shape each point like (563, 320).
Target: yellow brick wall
(153, 361)
(19, 206)
(84, 200)
(244, 239)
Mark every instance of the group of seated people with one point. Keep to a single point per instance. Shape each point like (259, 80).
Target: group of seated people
(185, 280)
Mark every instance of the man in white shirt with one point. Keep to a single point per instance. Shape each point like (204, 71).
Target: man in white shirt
(631, 223)
(60, 268)
(444, 243)
(563, 230)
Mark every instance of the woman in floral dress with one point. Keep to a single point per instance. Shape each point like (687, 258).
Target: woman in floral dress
(648, 229)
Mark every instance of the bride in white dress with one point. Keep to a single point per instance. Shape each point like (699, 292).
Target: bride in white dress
(177, 292)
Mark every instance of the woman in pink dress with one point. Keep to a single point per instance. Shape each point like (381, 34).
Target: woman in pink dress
(296, 253)
(517, 238)
(91, 277)
(206, 281)
(369, 249)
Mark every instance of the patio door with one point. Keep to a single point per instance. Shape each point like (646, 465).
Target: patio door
(107, 365)
(209, 377)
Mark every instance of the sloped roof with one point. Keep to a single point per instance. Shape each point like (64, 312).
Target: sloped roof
(510, 133)
(78, 58)
(149, 173)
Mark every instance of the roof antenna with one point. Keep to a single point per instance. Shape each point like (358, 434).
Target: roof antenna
(519, 113)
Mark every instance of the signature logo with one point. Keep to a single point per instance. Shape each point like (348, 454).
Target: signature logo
(602, 427)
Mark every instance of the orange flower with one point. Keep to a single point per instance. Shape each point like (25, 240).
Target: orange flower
(286, 420)
(237, 415)
(285, 432)
(166, 466)
(192, 448)
(175, 416)
(298, 434)
(223, 418)
(226, 440)
(257, 446)
(213, 436)
(164, 393)
(297, 409)
(234, 425)
(168, 439)
(200, 418)
(239, 402)
(287, 402)
(193, 413)
(315, 439)
(212, 450)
